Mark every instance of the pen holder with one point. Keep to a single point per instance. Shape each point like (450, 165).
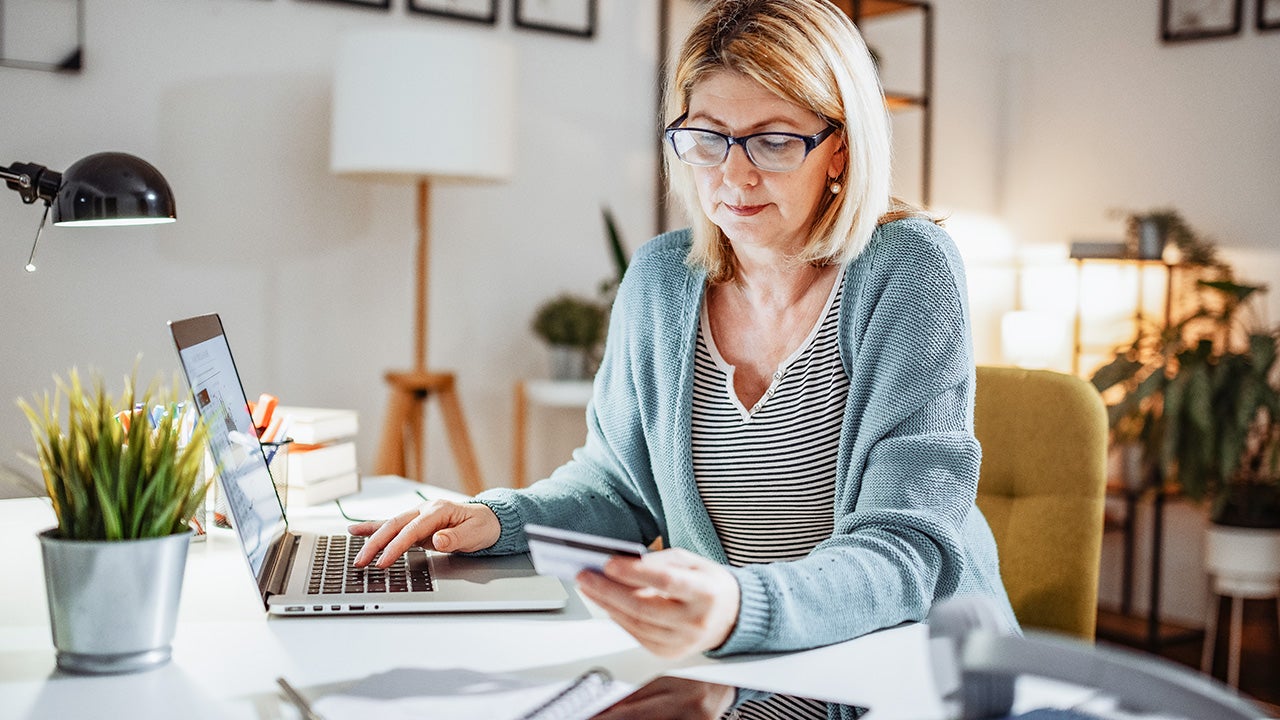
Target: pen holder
(278, 463)
(277, 456)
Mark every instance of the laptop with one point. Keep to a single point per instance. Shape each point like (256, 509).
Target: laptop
(300, 573)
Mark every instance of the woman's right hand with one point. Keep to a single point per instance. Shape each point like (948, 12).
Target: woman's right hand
(440, 525)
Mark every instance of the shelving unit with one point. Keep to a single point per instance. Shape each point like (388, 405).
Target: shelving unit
(1145, 630)
(1142, 308)
(863, 11)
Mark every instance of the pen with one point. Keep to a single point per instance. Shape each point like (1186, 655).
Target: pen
(271, 453)
(298, 701)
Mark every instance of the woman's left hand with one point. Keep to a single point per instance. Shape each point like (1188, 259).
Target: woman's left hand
(675, 603)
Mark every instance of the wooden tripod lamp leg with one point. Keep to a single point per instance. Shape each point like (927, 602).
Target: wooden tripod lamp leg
(404, 433)
(391, 449)
(464, 456)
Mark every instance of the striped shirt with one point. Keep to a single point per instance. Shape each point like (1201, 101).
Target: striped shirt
(768, 475)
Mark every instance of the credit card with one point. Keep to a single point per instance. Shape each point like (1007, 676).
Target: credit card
(565, 553)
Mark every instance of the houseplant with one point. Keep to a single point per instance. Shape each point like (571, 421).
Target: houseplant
(124, 484)
(1201, 400)
(574, 326)
(1204, 407)
(1149, 232)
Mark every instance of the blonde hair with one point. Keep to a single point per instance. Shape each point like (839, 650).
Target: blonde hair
(809, 53)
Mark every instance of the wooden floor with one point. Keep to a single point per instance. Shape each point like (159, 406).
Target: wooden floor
(1259, 658)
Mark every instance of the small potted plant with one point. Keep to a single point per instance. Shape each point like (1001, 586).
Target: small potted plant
(124, 482)
(573, 327)
(1149, 232)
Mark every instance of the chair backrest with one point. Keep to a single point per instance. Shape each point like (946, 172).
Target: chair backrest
(1042, 488)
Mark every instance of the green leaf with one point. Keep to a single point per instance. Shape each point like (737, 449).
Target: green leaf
(1119, 370)
(616, 251)
(105, 483)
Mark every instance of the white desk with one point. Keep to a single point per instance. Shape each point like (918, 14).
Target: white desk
(227, 653)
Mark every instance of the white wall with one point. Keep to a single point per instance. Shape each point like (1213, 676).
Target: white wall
(1098, 113)
(312, 273)
(1048, 114)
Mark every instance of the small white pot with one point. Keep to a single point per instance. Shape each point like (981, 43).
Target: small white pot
(1244, 562)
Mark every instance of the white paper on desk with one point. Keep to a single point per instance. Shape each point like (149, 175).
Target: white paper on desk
(383, 497)
(456, 694)
(888, 671)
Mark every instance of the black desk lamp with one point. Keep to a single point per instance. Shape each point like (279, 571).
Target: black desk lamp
(103, 189)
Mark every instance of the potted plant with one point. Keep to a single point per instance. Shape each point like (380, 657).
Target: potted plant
(1205, 408)
(1149, 232)
(124, 483)
(575, 326)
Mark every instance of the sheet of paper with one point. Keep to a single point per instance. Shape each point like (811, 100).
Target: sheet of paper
(887, 671)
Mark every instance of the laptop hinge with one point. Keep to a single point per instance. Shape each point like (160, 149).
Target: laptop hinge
(275, 571)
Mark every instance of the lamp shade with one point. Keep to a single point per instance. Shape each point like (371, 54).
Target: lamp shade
(423, 103)
(113, 188)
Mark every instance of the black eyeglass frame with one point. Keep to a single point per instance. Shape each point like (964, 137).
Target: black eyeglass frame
(810, 142)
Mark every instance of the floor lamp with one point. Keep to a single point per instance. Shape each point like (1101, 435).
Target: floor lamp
(428, 107)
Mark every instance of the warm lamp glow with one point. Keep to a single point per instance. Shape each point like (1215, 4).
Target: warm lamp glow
(982, 239)
(1032, 339)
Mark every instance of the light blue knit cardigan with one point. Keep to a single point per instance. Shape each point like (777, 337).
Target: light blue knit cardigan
(907, 533)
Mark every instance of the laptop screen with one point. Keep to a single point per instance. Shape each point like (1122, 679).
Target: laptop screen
(233, 441)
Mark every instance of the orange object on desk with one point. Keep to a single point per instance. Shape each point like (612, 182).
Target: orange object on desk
(262, 412)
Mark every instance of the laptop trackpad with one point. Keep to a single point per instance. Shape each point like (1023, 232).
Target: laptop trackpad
(481, 569)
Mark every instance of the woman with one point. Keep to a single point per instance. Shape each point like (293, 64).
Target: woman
(786, 394)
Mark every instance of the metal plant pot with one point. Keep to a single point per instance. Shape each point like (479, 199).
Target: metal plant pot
(1151, 240)
(113, 604)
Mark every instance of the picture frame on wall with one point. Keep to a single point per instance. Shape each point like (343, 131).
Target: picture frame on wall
(1269, 14)
(484, 12)
(369, 4)
(42, 35)
(1199, 19)
(565, 17)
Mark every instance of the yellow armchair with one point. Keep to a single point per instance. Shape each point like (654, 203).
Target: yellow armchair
(1042, 487)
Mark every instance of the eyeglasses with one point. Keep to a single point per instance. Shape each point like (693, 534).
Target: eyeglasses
(769, 151)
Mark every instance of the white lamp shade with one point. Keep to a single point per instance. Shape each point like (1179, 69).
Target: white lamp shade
(423, 103)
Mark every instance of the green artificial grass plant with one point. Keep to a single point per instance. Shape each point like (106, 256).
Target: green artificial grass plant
(112, 472)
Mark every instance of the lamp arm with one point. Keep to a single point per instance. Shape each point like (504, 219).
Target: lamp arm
(32, 182)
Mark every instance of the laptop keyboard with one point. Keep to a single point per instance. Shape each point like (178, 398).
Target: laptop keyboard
(332, 570)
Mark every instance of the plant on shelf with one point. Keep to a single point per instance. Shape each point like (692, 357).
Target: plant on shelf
(570, 321)
(575, 326)
(124, 476)
(1149, 232)
(1201, 400)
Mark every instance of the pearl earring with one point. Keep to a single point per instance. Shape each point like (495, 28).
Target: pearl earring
(835, 187)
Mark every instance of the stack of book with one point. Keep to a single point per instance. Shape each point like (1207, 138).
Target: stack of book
(322, 459)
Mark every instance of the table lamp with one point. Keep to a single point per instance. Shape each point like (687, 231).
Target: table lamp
(109, 188)
(425, 106)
